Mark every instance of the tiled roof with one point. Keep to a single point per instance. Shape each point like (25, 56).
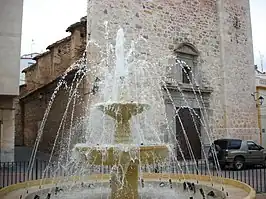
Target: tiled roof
(82, 22)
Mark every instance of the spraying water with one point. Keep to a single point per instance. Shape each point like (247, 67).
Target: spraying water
(123, 131)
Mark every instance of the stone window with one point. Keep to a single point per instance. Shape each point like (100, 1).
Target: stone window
(186, 62)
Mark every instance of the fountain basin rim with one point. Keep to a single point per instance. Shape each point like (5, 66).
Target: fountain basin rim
(146, 176)
(99, 155)
(113, 103)
(120, 102)
(117, 146)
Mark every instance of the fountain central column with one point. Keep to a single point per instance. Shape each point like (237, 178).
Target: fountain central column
(127, 186)
(125, 160)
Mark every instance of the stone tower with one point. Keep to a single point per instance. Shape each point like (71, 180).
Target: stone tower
(213, 36)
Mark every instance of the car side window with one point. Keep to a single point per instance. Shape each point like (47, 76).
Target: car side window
(234, 144)
(253, 146)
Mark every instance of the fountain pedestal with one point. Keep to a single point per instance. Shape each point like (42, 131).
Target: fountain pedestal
(126, 161)
(126, 188)
(122, 113)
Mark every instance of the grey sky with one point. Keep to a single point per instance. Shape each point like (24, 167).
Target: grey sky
(258, 17)
(45, 22)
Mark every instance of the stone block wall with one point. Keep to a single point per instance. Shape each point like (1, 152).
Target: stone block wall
(78, 41)
(34, 107)
(58, 57)
(225, 60)
(239, 74)
(41, 81)
(43, 67)
(49, 65)
(19, 136)
(61, 59)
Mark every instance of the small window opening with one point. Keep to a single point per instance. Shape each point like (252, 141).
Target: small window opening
(186, 75)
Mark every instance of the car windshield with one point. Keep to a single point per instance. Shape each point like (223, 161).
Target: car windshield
(228, 144)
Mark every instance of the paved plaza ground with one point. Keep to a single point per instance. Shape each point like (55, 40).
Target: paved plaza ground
(261, 196)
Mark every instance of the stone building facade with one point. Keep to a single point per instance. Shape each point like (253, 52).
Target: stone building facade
(41, 80)
(213, 36)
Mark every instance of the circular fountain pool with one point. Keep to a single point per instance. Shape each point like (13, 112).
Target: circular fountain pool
(154, 186)
(149, 190)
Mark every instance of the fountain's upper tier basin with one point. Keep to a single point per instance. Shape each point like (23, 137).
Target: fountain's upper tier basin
(122, 154)
(122, 110)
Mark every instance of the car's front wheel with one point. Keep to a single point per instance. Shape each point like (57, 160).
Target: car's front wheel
(239, 163)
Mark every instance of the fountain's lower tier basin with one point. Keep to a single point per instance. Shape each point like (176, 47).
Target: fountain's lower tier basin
(155, 186)
(118, 154)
